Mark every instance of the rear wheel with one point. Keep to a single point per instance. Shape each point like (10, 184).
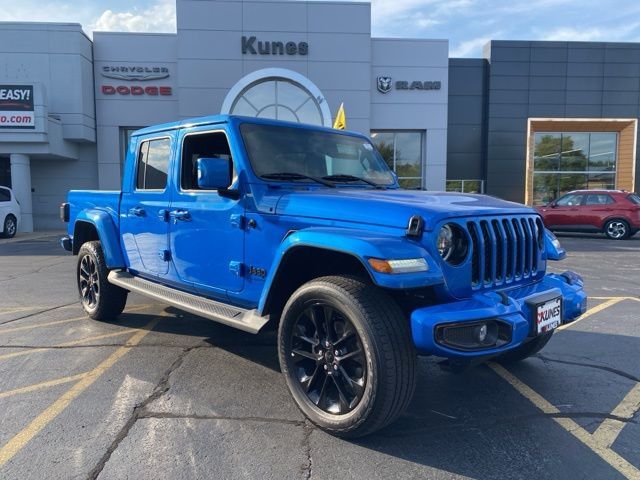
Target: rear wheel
(10, 226)
(99, 298)
(617, 229)
(526, 350)
(347, 355)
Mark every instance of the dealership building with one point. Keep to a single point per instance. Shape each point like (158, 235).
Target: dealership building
(527, 122)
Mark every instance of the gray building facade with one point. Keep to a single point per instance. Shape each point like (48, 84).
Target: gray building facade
(557, 116)
(291, 60)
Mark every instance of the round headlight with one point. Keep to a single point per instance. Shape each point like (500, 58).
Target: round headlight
(445, 241)
(452, 244)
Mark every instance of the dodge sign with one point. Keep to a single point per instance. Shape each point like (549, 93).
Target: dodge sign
(16, 106)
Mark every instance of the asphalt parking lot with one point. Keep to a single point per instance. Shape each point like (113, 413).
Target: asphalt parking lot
(163, 394)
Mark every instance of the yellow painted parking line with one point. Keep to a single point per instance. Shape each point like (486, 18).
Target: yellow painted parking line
(593, 311)
(608, 431)
(23, 437)
(66, 344)
(42, 385)
(604, 452)
(58, 322)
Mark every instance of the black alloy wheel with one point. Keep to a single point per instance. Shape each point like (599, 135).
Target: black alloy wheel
(100, 299)
(89, 282)
(327, 358)
(347, 355)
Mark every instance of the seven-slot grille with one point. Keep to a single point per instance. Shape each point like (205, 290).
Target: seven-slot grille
(504, 249)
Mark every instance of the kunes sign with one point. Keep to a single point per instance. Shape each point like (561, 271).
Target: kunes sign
(16, 106)
(250, 45)
(135, 73)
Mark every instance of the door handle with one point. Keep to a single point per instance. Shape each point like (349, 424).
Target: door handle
(137, 212)
(182, 215)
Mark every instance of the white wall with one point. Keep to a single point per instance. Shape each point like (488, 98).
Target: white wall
(210, 58)
(409, 60)
(57, 60)
(115, 111)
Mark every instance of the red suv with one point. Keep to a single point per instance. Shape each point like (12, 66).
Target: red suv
(616, 213)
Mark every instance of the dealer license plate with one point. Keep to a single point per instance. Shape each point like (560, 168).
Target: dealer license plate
(548, 315)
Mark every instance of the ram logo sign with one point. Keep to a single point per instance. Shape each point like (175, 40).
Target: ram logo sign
(384, 84)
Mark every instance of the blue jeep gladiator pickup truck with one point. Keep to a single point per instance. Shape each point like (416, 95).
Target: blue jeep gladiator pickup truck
(251, 222)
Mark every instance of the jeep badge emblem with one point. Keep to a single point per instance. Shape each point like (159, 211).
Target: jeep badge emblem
(384, 84)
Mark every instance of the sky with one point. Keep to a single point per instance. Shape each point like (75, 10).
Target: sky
(468, 24)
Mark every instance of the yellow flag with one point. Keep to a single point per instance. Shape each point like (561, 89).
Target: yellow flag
(341, 119)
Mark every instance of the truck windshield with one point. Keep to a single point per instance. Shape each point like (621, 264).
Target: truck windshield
(294, 154)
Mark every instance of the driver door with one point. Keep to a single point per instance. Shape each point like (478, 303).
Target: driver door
(206, 235)
(564, 211)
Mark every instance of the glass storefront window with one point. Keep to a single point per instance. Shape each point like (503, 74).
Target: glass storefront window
(402, 150)
(465, 186)
(565, 161)
(279, 99)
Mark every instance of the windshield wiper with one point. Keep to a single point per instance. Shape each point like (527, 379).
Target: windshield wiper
(296, 176)
(352, 178)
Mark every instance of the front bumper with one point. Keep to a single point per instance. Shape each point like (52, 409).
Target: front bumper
(509, 308)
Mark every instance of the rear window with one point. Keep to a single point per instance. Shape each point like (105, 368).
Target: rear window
(599, 199)
(153, 164)
(5, 195)
(634, 198)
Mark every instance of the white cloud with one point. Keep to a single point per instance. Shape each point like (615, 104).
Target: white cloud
(390, 15)
(159, 17)
(569, 34)
(471, 47)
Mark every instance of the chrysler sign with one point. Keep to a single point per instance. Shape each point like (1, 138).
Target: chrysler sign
(135, 73)
(16, 106)
(384, 84)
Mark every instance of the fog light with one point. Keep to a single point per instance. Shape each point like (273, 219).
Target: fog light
(474, 336)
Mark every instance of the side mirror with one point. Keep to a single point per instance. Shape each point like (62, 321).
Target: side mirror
(214, 173)
(552, 204)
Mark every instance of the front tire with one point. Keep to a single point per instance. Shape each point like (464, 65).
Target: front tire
(10, 226)
(526, 350)
(347, 355)
(99, 298)
(617, 229)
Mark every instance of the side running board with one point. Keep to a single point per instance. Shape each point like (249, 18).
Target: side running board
(247, 320)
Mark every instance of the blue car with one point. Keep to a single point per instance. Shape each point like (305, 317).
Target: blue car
(260, 224)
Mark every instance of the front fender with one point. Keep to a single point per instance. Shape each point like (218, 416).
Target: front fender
(107, 233)
(362, 245)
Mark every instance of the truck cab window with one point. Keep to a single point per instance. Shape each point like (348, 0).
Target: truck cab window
(153, 164)
(206, 145)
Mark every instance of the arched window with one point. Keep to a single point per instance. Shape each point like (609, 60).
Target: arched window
(279, 94)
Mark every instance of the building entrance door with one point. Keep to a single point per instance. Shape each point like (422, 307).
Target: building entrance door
(5, 172)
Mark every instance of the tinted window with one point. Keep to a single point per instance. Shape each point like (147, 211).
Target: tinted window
(207, 145)
(634, 198)
(570, 200)
(275, 149)
(5, 196)
(599, 199)
(153, 164)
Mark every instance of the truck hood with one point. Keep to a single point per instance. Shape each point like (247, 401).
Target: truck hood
(391, 208)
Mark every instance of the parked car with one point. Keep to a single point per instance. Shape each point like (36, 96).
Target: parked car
(254, 222)
(615, 213)
(9, 212)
